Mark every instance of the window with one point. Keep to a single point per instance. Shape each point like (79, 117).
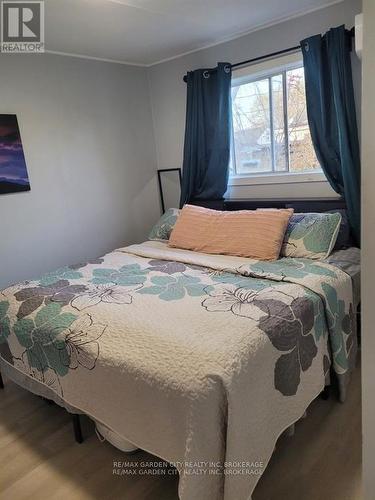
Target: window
(270, 130)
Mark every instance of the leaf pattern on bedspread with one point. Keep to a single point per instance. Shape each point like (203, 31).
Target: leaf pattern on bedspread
(48, 377)
(4, 321)
(287, 321)
(240, 281)
(40, 337)
(131, 274)
(84, 264)
(286, 268)
(175, 288)
(343, 324)
(55, 342)
(289, 329)
(340, 313)
(64, 273)
(33, 297)
(166, 266)
(56, 329)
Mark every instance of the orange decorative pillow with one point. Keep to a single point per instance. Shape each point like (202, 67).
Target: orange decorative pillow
(244, 233)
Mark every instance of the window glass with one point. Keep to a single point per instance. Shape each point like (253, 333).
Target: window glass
(270, 128)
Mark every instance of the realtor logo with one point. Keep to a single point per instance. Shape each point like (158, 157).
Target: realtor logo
(22, 27)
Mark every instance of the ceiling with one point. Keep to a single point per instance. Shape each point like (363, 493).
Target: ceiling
(145, 32)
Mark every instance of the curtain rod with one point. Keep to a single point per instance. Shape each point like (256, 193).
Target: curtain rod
(267, 56)
(272, 54)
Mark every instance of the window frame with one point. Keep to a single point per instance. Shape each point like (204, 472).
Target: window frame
(267, 70)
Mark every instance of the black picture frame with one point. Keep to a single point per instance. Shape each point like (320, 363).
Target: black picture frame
(14, 177)
(160, 171)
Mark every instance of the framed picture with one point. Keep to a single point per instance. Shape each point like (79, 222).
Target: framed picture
(13, 171)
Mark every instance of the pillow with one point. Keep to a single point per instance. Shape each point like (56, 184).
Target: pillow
(245, 233)
(163, 228)
(344, 238)
(312, 236)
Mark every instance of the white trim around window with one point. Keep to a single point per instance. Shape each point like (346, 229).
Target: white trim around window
(287, 178)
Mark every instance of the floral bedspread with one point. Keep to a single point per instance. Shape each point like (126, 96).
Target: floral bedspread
(193, 357)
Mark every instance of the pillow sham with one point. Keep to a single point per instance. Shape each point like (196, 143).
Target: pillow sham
(243, 233)
(311, 235)
(163, 228)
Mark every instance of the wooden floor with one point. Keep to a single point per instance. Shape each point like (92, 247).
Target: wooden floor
(40, 460)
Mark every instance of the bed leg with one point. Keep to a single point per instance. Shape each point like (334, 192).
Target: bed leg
(1, 382)
(77, 428)
(326, 392)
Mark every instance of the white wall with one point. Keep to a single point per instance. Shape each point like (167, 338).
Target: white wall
(87, 135)
(168, 91)
(368, 251)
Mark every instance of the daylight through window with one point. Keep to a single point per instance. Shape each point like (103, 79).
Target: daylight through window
(270, 129)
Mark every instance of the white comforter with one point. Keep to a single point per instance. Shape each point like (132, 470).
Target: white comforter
(202, 360)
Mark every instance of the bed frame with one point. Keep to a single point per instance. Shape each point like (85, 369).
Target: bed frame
(78, 436)
(299, 204)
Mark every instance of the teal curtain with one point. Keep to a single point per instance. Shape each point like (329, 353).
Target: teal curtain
(207, 134)
(332, 116)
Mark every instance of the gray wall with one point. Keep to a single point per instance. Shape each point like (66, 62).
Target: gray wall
(87, 134)
(368, 251)
(168, 92)
(92, 144)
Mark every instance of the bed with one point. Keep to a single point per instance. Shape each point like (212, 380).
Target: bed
(202, 360)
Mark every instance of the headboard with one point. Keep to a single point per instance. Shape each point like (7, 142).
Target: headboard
(299, 204)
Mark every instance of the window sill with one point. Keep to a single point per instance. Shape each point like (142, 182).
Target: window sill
(251, 180)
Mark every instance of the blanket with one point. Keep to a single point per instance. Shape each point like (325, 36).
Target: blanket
(202, 360)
